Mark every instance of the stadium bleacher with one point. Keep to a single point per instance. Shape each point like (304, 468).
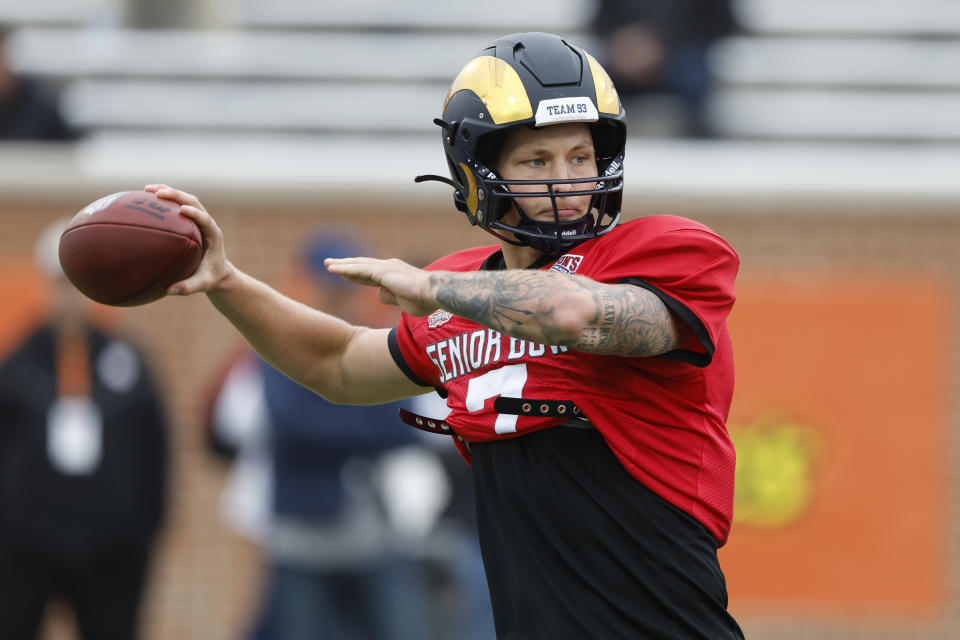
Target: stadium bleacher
(854, 70)
(416, 15)
(51, 12)
(315, 79)
(852, 17)
(883, 70)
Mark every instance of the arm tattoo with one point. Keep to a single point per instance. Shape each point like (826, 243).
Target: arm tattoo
(534, 305)
(629, 321)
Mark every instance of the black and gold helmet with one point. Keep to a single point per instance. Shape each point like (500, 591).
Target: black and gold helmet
(535, 80)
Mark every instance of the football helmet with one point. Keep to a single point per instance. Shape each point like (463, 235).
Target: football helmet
(535, 80)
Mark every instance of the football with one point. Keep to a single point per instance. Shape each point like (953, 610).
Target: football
(125, 249)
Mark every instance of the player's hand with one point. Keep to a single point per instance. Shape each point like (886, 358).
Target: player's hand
(213, 267)
(399, 283)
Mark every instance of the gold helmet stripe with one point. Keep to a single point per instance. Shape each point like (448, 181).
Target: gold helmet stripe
(472, 199)
(607, 99)
(498, 86)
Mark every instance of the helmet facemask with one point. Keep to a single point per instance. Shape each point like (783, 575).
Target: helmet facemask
(552, 236)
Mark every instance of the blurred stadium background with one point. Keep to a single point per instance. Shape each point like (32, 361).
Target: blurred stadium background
(834, 171)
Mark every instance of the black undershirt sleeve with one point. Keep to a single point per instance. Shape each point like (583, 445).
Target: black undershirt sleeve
(394, 345)
(696, 358)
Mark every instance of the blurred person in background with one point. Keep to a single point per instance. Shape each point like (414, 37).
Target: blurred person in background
(27, 111)
(83, 466)
(659, 48)
(305, 488)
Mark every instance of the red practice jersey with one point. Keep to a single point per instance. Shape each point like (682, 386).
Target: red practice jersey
(664, 417)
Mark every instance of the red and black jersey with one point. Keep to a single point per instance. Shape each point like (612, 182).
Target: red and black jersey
(663, 417)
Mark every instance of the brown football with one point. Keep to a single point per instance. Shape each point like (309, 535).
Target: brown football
(125, 249)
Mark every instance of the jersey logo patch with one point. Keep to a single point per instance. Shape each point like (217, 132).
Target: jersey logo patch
(438, 318)
(568, 263)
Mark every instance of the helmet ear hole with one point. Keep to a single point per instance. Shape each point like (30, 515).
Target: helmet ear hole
(488, 148)
(608, 140)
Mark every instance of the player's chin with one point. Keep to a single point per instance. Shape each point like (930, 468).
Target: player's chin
(565, 214)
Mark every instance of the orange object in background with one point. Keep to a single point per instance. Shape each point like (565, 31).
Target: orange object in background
(840, 417)
(23, 293)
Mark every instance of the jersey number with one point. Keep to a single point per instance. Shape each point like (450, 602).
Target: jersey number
(506, 381)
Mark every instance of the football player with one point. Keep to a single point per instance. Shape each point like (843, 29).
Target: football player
(586, 363)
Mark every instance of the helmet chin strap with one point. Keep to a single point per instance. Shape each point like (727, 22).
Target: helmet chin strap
(544, 227)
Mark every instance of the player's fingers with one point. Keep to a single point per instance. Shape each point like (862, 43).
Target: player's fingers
(208, 226)
(194, 284)
(197, 214)
(182, 288)
(207, 275)
(352, 268)
(360, 278)
(346, 262)
(170, 193)
(387, 297)
(191, 284)
(339, 267)
(373, 267)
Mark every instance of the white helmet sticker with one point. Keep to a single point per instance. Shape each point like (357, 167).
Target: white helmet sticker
(573, 109)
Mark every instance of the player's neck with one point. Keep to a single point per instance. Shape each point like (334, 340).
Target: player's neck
(515, 257)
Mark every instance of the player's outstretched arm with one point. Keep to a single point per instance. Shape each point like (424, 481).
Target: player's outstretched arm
(540, 306)
(342, 362)
(563, 309)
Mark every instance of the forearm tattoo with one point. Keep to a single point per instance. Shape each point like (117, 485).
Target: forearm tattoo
(532, 305)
